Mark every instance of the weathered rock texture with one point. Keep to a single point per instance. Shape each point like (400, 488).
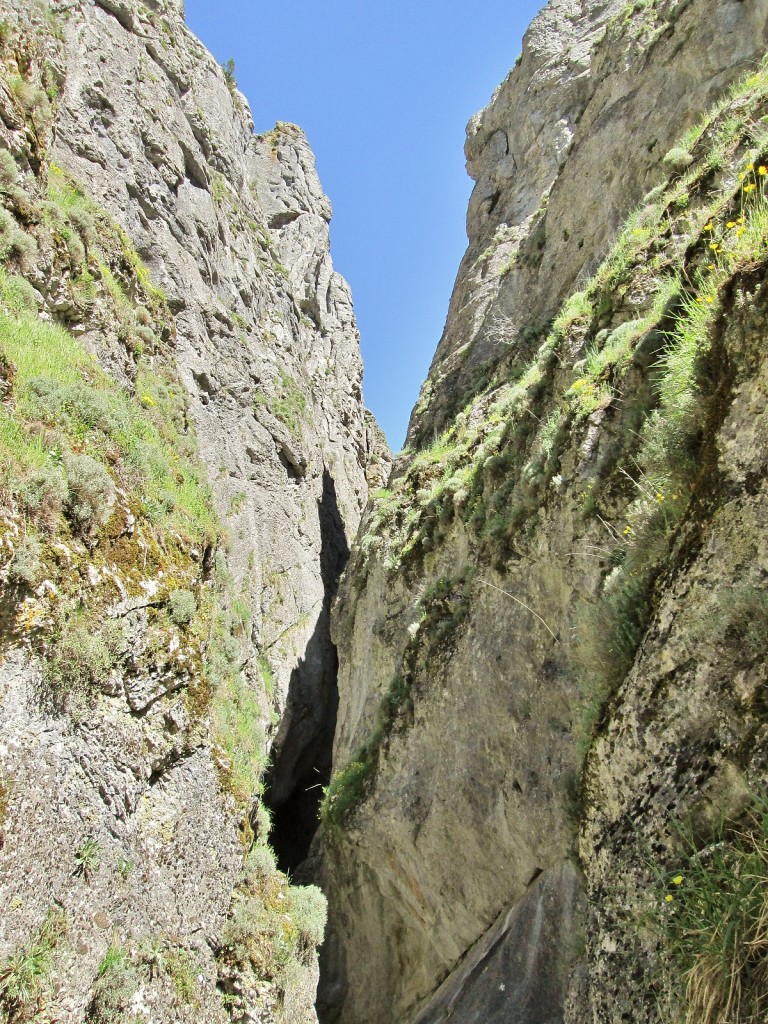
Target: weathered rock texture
(570, 143)
(151, 655)
(234, 228)
(548, 541)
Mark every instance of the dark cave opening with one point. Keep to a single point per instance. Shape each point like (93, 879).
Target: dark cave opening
(306, 754)
(303, 749)
(295, 822)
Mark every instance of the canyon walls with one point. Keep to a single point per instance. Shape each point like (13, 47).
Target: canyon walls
(533, 696)
(185, 459)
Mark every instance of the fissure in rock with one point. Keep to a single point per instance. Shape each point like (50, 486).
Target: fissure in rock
(302, 751)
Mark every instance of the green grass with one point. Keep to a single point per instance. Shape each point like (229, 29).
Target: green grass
(289, 405)
(116, 983)
(235, 711)
(25, 974)
(713, 920)
(59, 387)
(732, 237)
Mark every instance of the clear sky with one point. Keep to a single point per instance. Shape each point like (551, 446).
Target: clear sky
(383, 91)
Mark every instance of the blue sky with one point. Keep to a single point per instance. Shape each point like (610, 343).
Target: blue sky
(383, 92)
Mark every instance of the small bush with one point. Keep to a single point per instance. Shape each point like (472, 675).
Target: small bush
(91, 492)
(26, 564)
(15, 243)
(309, 911)
(183, 974)
(182, 606)
(678, 159)
(43, 495)
(81, 656)
(229, 74)
(259, 864)
(16, 293)
(83, 222)
(347, 787)
(116, 984)
(9, 172)
(29, 97)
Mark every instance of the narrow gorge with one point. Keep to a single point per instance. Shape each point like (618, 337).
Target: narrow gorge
(292, 729)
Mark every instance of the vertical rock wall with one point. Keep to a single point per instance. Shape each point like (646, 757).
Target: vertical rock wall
(143, 221)
(463, 712)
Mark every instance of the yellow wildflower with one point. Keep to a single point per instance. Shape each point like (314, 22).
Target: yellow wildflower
(731, 224)
(709, 227)
(711, 266)
(740, 232)
(714, 246)
(750, 167)
(669, 897)
(659, 496)
(750, 188)
(739, 220)
(675, 497)
(709, 299)
(762, 170)
(677, 880)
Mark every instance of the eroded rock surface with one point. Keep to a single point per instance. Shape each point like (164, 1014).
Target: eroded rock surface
(510, 564)
(158, 643)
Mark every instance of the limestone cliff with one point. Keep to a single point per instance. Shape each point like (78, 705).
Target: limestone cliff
(183, 456)
(552, 629)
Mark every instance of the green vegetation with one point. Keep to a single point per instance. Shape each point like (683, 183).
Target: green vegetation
(669, 459)
(125, 967)
(64, 402)
(25, 975)
(273, 927)
(87, 858)
(117, 981)
(713, 920)
(233, 702)
(81, 655)
(229, 74)
(182, 607)
(101, 482)
(494, 471)
(290, 404)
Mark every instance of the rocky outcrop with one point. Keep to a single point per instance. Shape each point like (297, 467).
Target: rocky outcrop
(234, 228)
(184, 457)
(510, 600)
(568, 146)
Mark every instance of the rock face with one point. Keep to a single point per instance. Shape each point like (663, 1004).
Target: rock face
(524, 672)
(234, 228)
(185, 458)
(568, 146)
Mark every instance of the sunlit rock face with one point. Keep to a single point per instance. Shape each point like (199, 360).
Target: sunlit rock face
(522, 680)
(190, 257)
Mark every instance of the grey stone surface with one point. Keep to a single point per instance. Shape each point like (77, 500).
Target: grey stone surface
(233, 228)
(471, 790)
(569, 144)
(516, 974)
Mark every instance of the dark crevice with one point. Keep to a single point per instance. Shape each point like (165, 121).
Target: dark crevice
(303, 749)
